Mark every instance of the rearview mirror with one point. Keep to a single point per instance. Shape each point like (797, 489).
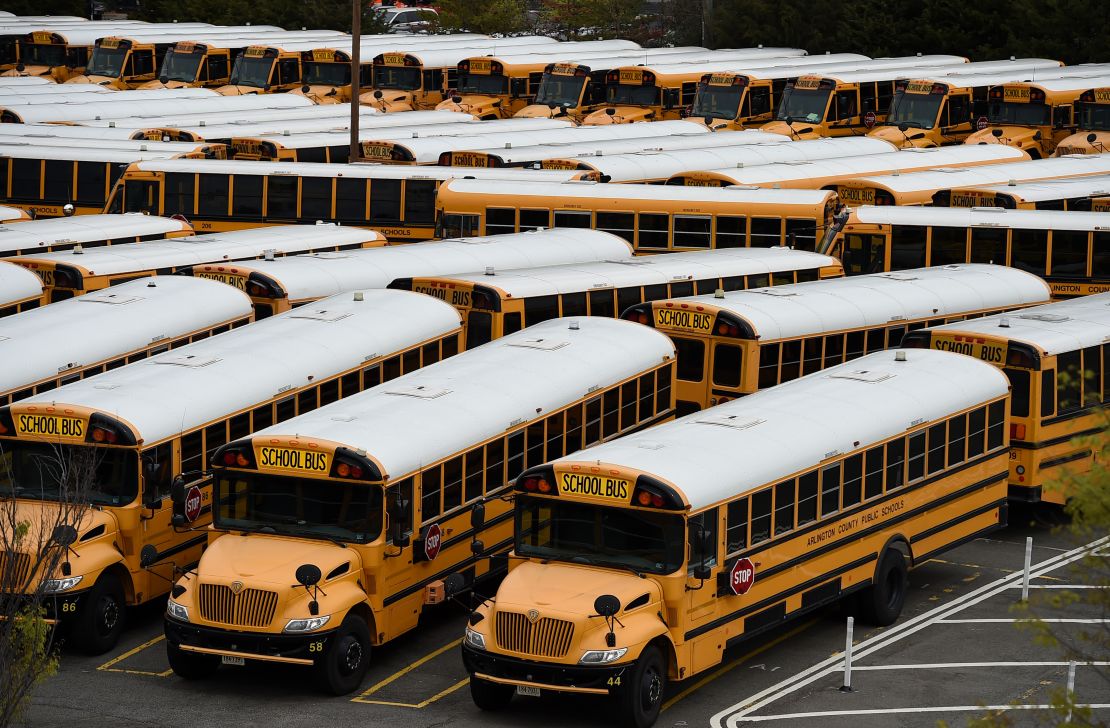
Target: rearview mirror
(670, 98)
(518, 87)
(478, 515)
(397, 536)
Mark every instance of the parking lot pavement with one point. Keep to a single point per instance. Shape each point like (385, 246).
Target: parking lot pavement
(940, 654)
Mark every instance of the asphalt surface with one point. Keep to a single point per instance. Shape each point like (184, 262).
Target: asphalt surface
(954, 650)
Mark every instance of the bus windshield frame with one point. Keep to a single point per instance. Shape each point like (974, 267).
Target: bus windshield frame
(397, 78)
(718, 102)
(316, 73)
(1092, 116)
(560, 90)
(808, 104)
(483, 85)
(281, 492)
(252, 71)
(626, 94)
(920, 111)
(181, 66)
(1021, 114)
(666, 553)
(34, 470)
(107, 62)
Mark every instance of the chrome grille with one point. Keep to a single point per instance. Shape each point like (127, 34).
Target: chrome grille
(248, 608)
(546, 637)
(15, 569)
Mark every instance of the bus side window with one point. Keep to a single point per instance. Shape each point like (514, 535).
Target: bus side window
(1092, 382)
(431, 486)
(830, 490)
(1069, 381)
(996, 425)
(217, 68)
(654, 230)
(289, 71)
(555, 426)
(511, 324)
(534, 219)
(731, 232)
(401, 495)
(785, 495)
(157, 471)
(895, 464)
(845, 105)
(601, 303)
(1029, 250)
(736, 534)
(761, 100)
(495, 465)
(192, 453)
(516, 455)
(703, 523)
(873, 473)
(500, 220)
(453, 483)
(811, 358)
(868, 101)
(853, 479)
(761, 516)
(579, 219)
(610, 419)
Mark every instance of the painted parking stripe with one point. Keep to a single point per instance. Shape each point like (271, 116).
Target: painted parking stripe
(967, 665)
(930, 709)
(364, 697)
(109, 666)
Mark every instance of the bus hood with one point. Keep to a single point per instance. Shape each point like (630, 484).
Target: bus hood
(542, 111)
(168, 84)
(1081, 144)
(230, 90)
(569, 590)
(797, 130)
(620, 115)
(321, 94)
(42, 517)
(913, 138)
(387, 101)
(269, 560)
(1014, 136)
(476, 105)
(19, 71)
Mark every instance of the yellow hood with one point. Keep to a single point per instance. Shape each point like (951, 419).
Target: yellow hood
(1011, 136)
(568, 590)
(260, 559)
(622, 115)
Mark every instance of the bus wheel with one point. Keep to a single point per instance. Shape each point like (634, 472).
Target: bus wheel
(191, 665)
(489, 695)
(100, 621)
(343, 666)
(881, 603)
(642, 696)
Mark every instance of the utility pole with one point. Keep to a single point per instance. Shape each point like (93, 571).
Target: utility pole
(706, 19)
(356, 34)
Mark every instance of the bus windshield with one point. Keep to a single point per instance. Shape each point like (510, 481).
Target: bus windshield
(916, 110)
(584, 533)
(632, 95)
(1009, 112)
(299, 507)
(560, 90)
(327, 74)
(400, 78)
(181, 66)
(804, 104)
(41, 471)
(41, 54)
(1093, 117)
(106, 62)
(473, 83)
(718, 102)
(252, 72)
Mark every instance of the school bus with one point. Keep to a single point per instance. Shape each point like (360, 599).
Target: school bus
(1071, 250)
(732, 343)
(397, 201)
(496, 303)
(60, 53)
(130, 549)
(1092, 122)
(141, 108)
(82, 337)
(77, 271)
(825, 172)
(681, 553)
(1055, 357)
(918, 188)
(20, 290)
(13, 36)
(88, 231)
(265, 69)
(281, 284)
(1086, 194)
(651, 217)
(406, 483)
(1034, 116)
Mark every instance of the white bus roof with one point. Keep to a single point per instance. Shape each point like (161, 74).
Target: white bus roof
(1053, 328)
(102, 325)
(645, 270)
(7, 82)
(305, 277)
(80, 153)
(819, 169)
(994, 217)
(12, 214)
(189, 386)
(121, 109)
(779, 431)
(17, 284)
(396, 129)
(27, 236)
(68, 94)
(647, 193)
(944, 178)
(139, 145)
(1077, 84)
(1053, 189)
(480, 393)
(837, 304)
(196, 249)
(336, 116)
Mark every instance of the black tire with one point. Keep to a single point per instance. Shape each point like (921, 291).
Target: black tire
(641, 696)
(99, 623)
(341, 669)
(881, 603)
(490, 696)
(191, 665)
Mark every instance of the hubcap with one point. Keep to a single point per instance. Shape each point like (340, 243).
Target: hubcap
(352, 657)
(109, 614)
(653, 691)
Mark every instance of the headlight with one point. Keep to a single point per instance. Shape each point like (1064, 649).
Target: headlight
(602, 657)
(475, 639)
(306, 625)
(177, 611)
(56, 586)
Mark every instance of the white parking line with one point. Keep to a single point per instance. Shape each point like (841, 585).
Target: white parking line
(1020, 619)
(931, 709)
(740, 712)
(964, 665)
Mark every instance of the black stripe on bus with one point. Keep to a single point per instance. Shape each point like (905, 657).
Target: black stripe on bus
(1073, 415)
(1040, 444)
(966, 539)
(174, 550)
(468, 561)
(1054, 462)
(469, 533)
(956, 521)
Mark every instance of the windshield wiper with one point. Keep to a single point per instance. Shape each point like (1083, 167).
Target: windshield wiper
(579, 559)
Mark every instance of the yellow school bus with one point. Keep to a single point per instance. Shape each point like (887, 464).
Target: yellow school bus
(1092, 122)
(1085, 194)
(1034, 117)
(342, 526)
(637, 563)
(20, 290)
(131, 547)
(120, 63)
(734, 343)
(498, 302)
(264, 69)
(1056, 359)
(189, 64)
(58, 54)
(1071, 250)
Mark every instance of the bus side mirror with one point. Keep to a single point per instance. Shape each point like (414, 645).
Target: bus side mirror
(478, 515)
(397, 535)
(477, 547)
(702, 572)
(518, 87)
(670, 98)
(704, 545)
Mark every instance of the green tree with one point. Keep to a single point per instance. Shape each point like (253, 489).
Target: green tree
(592, 19)
(500, 17)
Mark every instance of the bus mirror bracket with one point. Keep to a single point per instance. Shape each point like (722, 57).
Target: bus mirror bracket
(398, 537)
(478, 515)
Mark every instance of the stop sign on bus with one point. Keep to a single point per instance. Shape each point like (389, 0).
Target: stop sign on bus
(741, 576)
(432, 541)
(192, 504)
(869, 119)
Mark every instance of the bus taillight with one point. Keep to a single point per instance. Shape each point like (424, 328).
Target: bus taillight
(645, 498)
(1017, 432)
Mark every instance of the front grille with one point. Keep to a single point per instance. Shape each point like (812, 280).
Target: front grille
(248, 608)
(15, 570)
(545, 637)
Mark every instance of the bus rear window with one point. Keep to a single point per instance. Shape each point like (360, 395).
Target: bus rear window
(1019, 396)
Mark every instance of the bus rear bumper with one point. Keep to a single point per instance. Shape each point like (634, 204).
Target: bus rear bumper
(599, 680)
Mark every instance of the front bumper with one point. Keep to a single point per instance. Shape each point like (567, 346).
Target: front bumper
(297, 649)
(59, 608)
(600, 679)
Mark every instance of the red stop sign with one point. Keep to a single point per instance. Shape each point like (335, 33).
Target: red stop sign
(192, 504)
(741, 576)
(432, 541)
(981, 123)
(869, 119)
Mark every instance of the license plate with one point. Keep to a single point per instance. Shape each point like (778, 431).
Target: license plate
(528, 690)
(232, 660)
